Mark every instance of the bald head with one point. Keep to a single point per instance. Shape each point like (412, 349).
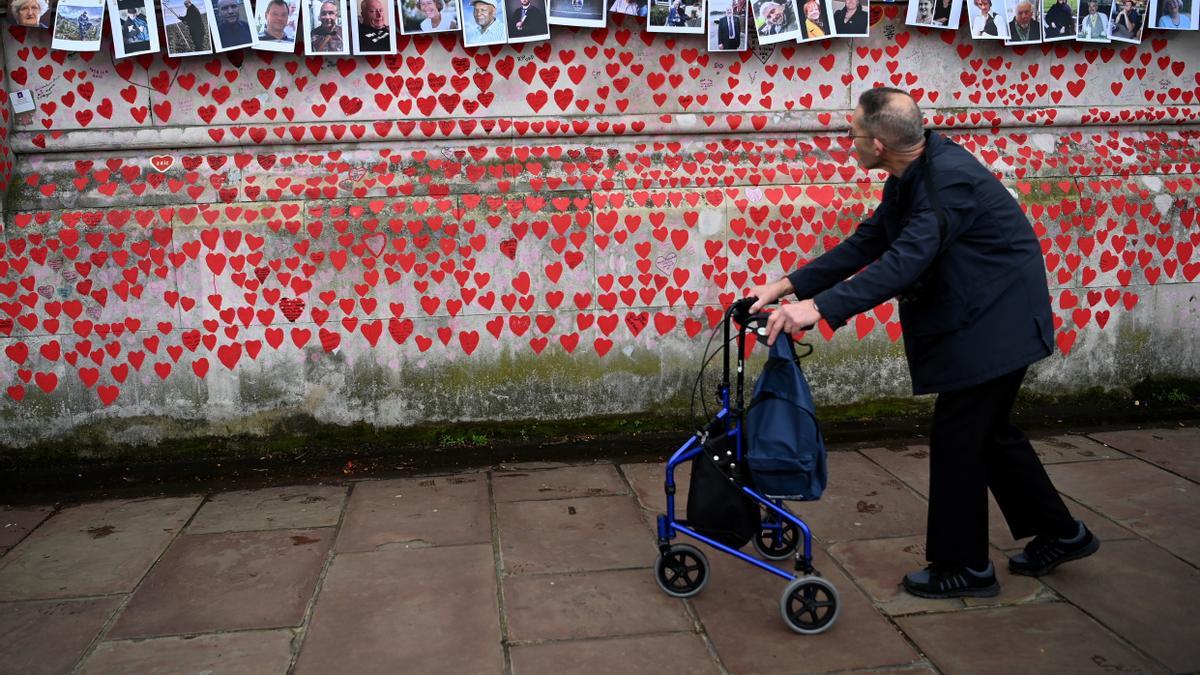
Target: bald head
(892, 116)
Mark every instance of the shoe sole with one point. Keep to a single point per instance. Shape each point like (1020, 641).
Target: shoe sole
(1081, 553)
(986, 592)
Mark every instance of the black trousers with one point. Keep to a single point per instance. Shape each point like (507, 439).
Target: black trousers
(974, 447)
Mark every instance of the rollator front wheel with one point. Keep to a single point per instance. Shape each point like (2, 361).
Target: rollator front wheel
(682, 571)
(809, 605)
(777, 543)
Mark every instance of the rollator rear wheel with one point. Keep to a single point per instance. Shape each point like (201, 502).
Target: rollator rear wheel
(682, 572)
(777, 544)
(809, 605)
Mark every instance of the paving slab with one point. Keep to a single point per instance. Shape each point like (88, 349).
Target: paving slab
(647, 480)
(16, 522)
(590, 605)
(911, 465)
(596, 480)
(416, 512)
(1073, 448)
(878, 565)
(1141, 592)
(642, 655)
(281, 508)
(739, 609)
(431, 610)
(862, 501)
(573, 535)
(1150, 501)
(242, 653)
(1037, 638)
(1176, 450)
(228, 581)
(93, 549)
(50, 636)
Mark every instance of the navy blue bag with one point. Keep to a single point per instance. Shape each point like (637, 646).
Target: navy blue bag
(784, 448)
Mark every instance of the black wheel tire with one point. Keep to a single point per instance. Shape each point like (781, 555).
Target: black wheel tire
(682, 572)
(777, 544)
(809, 605)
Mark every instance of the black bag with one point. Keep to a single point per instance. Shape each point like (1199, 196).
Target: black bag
(716, 506)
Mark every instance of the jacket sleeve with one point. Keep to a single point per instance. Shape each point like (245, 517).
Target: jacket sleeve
(851, 255)
(902, 263)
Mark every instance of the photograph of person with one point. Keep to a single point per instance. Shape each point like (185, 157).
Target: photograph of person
(1126, 23)
(587, 13)
(934, 13)
(372, 21)
(775, 21)
(77, 27)
(483, 23)
(1093, 21)
(229, 25)
(676, 16)
(1058, 20)
(986, 22)
(850, 18)
(814, 21)
(186, 26)
(628, 7)
(276, 25)
(26, 13)
(428, 16)
(1173, 14)
(527, 21)
(727, 26)
(130, 22)
(327, 32)
(1023, 26)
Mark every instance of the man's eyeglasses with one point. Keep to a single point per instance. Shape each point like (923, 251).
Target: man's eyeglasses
(858, 136)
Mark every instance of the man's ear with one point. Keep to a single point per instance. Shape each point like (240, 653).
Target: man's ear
(878, 146)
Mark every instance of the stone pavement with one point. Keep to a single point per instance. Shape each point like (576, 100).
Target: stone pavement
(548, 569)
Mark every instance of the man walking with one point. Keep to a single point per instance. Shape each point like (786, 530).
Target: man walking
(946, 225)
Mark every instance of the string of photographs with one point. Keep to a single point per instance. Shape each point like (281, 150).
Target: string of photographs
(342, 27)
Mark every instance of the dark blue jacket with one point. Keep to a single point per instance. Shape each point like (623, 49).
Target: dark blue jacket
(985, 306)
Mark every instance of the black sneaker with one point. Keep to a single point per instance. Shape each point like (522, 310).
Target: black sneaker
(1044, 553)
(952, 581)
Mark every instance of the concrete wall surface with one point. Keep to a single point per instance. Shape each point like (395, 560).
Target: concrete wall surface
(211, 245)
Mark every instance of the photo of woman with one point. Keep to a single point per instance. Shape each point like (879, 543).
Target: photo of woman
(428, 16)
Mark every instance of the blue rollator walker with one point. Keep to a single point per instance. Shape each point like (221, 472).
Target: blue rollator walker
(809, 604)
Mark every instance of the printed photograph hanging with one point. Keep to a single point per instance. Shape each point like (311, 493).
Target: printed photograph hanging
(934, 13)
(134, 27)
(775, 21)
(1093, 21)
(372, 22)
(728, 23)
(428, 16)
(850, 18)
(326, 29)
(1173, 14)
(483, 23)
(77, 27)
(676, 16)
(527, 21)
(31, 13)
(630, 7)
(987, 20)
(186, 27)
(276, 22)
(1058, 19)
(814, 21)
(1024, 25)
(586, 13)
(1126, 23)
(229, 24)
